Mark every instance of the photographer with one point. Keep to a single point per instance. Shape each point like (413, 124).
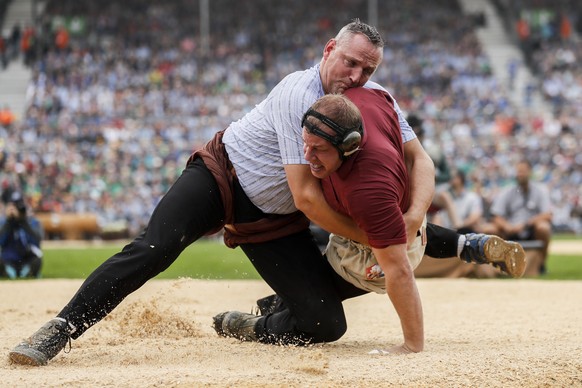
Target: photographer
(20, 237)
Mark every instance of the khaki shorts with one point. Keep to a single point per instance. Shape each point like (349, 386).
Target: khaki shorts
(356, 263)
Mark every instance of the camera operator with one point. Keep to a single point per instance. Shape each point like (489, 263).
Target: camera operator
(20, 237)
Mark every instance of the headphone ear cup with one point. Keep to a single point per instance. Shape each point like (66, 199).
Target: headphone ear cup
(351, 143)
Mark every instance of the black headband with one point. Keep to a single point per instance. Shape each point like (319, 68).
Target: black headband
(341, 132)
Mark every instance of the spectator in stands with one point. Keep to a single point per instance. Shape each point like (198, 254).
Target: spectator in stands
(14, 41)
(3, 53)
(28, 45)
(20, 239)
(523, 211)
(7, 117)
(468, 206)
(84, 104)
(61, 38)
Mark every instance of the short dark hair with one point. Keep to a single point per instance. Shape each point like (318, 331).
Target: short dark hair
(462, 176)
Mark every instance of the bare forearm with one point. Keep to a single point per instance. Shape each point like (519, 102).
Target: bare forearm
(421, 179)
(404, 295)
(541, 217)
(506, 227)
(421, 187)
(402, 291)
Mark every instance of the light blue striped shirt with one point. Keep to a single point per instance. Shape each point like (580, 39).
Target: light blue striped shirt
(269, 136)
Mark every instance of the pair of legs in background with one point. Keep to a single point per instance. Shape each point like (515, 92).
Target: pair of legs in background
(27, 267)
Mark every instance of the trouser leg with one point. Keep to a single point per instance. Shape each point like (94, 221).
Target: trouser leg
(296, 271)
(190, 209)
(442, 243)
(312, 292)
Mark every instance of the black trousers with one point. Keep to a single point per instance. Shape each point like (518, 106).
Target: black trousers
(293, 266)
(191, 208)
(441, 242)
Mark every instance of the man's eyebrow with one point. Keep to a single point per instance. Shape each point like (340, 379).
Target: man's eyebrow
(353, 58)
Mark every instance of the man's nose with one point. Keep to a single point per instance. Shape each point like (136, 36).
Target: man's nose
(307, 154)
(356, 76)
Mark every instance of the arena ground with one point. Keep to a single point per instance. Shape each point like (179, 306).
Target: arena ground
(479, 333)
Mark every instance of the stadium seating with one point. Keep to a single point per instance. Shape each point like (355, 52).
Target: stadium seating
(112, 116)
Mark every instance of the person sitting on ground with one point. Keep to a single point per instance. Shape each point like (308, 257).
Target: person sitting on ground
(468, 205)
(523, 211)
(20, 239)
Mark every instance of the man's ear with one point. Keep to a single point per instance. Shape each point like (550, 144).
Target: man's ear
(329, 46)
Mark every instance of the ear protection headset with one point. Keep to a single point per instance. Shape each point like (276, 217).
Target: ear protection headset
(347, 140)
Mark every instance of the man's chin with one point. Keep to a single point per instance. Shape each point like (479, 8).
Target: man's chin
(339, 88)
(319, 174)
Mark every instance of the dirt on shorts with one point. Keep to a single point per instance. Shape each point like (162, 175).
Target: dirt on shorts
(479, 333)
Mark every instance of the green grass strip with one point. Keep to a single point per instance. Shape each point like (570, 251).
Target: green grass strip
(210, 259)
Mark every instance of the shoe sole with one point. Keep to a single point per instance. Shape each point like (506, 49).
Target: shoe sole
(510, 253)
(27, 356)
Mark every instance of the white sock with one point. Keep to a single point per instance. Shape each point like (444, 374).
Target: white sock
(461, 244)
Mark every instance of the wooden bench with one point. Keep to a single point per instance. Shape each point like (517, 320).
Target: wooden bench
(69, 226)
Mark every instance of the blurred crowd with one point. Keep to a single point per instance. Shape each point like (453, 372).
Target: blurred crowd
(122, 92)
